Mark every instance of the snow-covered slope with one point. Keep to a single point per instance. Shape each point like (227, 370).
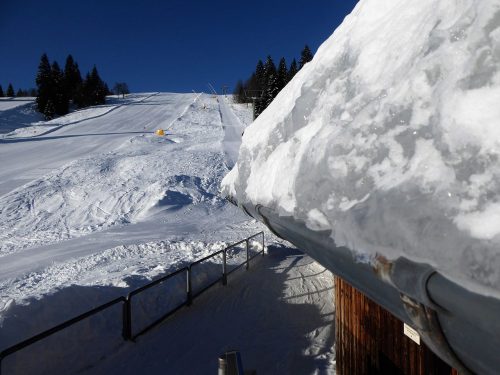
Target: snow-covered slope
(104, 168)
(390, 138)
(16, 113)
(96, 199)
(94, 205)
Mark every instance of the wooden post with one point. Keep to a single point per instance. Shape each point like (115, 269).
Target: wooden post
(370, 340)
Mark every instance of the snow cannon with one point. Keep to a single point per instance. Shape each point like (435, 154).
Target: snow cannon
(160, 132)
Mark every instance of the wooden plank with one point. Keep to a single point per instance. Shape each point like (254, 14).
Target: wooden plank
(370, 340)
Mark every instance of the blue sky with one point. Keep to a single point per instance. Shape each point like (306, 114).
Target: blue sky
(174, 45)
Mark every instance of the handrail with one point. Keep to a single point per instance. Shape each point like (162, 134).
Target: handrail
(206, 258)
(127, 313)
(57, 328)
(127, 305)
(156, 282)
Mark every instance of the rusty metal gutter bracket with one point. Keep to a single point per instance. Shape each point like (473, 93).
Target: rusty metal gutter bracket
(426, 322)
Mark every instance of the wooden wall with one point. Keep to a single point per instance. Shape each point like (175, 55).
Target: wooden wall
(370, 340)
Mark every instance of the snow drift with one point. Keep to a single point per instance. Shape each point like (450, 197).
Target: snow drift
(390, 139)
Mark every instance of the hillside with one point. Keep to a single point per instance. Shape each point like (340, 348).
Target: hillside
(95, 198)
(94, 205)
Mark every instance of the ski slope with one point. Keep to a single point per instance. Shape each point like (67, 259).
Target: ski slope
(94, 204)
(94, 134)
(110, 170)
(97, 189)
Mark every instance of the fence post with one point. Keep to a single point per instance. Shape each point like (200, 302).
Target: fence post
(263, 249)
(224, 268)
(127, 319)
(189, 291)
(248, 258)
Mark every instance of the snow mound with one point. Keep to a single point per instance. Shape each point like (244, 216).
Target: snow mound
(104, 190)
(390, 138)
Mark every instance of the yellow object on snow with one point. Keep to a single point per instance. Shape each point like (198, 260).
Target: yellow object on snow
(160, 132)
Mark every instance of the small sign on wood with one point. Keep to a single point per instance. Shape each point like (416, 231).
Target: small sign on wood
(411, 333)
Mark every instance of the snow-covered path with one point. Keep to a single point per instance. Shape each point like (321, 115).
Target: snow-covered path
(233, 129)
(280, 315)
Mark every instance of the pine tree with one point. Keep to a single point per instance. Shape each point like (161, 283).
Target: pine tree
(282, 77)
(93, 90)
(44, 84)
(239, 92)
(1, 92)
(49, 110)
(257, 108)
(293, 70)
(266, 78)
(107, 90)
(72, 78)
(99, 88)
(10, 91)
(59, 99)
(260, 76)
(271, 88)
(19, 93)
(82, 97)
(305, 56)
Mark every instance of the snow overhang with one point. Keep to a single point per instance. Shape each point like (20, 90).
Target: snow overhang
(460, 326)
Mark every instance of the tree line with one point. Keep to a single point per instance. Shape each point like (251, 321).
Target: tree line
(267, 81)
(57, 88)
(20, 93)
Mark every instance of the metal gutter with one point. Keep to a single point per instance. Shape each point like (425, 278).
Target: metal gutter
(461, 327)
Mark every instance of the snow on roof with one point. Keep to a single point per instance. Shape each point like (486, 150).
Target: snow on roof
(390, 138)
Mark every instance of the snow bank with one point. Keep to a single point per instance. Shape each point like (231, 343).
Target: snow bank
(390, 138)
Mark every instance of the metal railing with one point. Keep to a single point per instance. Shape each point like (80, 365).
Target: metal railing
(127, 315)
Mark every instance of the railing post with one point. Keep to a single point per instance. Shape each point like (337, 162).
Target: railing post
(127, 319)
(248, 258)
(224, 268)
(263, 248)
(189, 290)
